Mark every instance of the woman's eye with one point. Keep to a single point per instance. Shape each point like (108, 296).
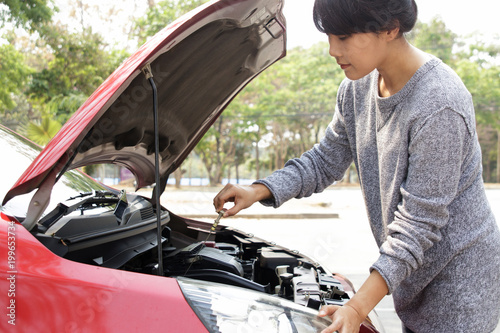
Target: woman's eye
(343, 37)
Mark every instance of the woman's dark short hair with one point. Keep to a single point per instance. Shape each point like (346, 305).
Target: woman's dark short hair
(346, 17)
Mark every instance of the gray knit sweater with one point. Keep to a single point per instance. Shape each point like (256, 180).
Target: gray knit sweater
(419, 166)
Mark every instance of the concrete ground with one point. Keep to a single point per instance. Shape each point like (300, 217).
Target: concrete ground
(342, 242)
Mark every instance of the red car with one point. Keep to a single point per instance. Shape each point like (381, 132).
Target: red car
(83, 257)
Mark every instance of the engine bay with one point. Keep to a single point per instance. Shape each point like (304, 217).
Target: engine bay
(233, 257)
(117, 231)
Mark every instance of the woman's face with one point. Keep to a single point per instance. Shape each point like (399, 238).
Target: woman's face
(358, 54)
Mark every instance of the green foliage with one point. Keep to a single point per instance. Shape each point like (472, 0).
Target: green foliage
(13, 75)
(42, 131)
(311, 79)
(161, 15)
(484, 85)
(32, 15)
(20, 114)
(66, 67)
(62, 107)
(290, 103)
(285, 109)
(479, 68)
(434, 38)
(79, 64)
(294, 101)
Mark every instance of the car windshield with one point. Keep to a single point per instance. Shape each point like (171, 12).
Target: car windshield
(17, 154)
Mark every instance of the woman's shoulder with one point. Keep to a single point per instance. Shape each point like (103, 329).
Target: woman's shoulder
(439, 88)
(440, 80)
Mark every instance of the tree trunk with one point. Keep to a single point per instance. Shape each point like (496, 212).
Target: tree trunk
(217, 177)
(281, 147)
(212, 181)
(178, 176)
(102, 172)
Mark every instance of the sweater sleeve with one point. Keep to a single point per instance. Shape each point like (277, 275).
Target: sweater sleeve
(315, 170)
(436, 154)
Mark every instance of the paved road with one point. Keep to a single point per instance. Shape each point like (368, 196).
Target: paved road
(342, 244)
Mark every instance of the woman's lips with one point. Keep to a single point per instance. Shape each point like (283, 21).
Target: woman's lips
(344, 66)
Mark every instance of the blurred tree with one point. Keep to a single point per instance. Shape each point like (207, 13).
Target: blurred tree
(298, 101)
(78, 64)
(42, 131)
(217, 148)
(488, 138)
(285, 109)
(20, 114)
(289, 105)
(160, 15)
(32, 15)
(434, 38)
(13, 76)
(479, 68)
(312, 81)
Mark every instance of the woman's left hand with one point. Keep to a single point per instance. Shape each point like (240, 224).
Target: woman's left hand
(345, 319)
(348, 318)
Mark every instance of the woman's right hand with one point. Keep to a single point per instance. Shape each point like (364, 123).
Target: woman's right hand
(242, 196)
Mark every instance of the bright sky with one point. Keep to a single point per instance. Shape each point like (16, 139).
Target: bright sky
(459, 16)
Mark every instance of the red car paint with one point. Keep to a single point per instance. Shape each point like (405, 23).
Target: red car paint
(47, 293)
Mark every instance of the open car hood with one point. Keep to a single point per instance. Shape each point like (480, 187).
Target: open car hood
(199, 63)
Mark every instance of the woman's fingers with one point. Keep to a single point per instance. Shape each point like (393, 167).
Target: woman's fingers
(232, 193)
(328, 310)
(242, 196)
(344, 319)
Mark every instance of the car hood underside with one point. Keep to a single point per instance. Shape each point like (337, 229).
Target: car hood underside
(198, 65)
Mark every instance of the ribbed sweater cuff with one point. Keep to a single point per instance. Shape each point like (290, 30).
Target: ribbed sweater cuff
(391, 269)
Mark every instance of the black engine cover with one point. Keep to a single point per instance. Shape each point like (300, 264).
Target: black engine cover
(199, 256)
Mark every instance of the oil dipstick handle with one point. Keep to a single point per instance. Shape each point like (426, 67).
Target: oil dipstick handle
(217, 220)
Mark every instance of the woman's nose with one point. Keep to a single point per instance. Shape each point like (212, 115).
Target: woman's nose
(334, 49)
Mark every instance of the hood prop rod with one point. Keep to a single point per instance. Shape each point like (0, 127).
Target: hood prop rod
(149, 76)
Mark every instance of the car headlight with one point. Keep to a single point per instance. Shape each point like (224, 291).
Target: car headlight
(224, 308)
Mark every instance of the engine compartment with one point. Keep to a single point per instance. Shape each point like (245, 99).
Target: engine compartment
(233, 257)
(118, 231)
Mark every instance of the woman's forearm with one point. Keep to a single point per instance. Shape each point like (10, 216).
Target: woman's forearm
(369, 295)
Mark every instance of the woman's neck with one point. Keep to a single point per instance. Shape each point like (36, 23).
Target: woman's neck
(401, 64)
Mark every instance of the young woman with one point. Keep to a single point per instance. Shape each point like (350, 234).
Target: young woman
(407, 121)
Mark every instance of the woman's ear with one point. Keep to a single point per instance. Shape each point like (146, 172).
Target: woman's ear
(392, 33)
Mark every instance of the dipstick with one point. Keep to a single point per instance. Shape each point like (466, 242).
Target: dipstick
(212, 229)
